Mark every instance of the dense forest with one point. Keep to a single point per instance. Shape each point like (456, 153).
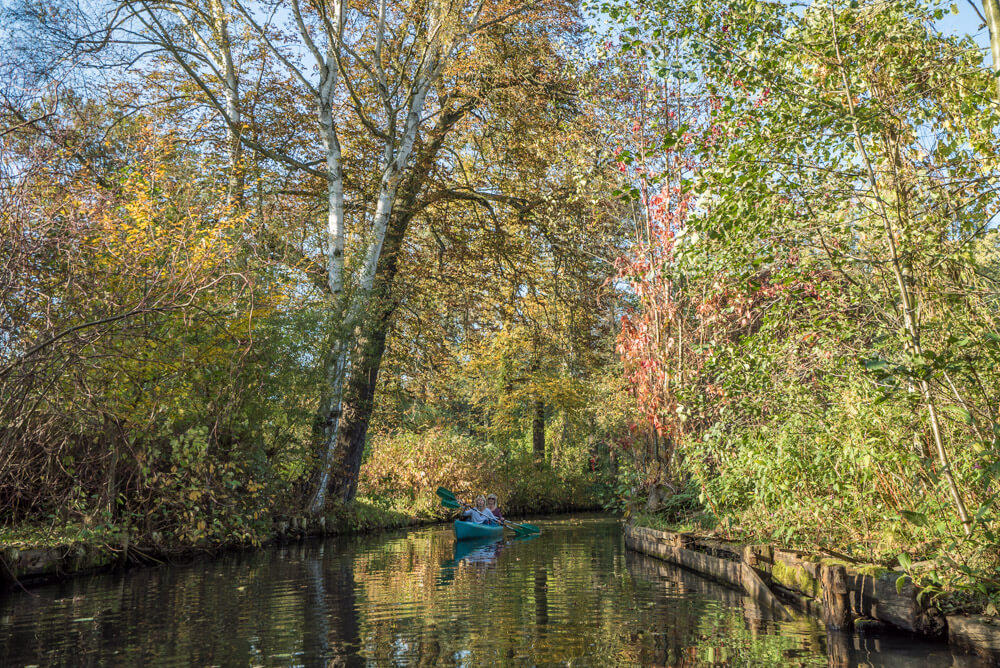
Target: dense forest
(721, 265)
(243, 241)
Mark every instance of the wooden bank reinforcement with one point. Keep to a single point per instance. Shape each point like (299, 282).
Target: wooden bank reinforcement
(843, 594)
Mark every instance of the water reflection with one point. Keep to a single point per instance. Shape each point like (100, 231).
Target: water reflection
(570, 595)
(484, 551)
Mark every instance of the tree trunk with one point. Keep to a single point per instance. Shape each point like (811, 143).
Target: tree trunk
(109, 502)
(327, 423)
(358, 397)
(992, 10)
(359, 394)
(338, 466)
(538, 431)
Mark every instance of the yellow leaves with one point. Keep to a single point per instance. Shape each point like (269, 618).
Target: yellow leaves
(194, 495)
(156, 222)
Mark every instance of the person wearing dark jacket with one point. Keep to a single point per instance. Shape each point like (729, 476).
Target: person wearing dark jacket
(491, 505)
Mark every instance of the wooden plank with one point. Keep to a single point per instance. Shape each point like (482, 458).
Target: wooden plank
(737, 574)
(975, 634)
(757, 589)
(836, 600)
(840, 592)
(899, 607)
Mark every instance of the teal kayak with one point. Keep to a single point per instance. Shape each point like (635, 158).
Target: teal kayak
(468, 530)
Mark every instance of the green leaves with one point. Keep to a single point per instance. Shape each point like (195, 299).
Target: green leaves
(961, 413)
(840, 162)
(917, 519)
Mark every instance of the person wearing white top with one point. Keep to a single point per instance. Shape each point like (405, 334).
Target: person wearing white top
(480, 514)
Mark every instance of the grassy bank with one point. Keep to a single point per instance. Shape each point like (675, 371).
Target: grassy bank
(957, 574)
(32, 554)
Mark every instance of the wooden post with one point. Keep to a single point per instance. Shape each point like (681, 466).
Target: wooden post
(836, 601)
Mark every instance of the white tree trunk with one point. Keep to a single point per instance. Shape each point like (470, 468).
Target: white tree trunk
(234, 127)
(336, 370)
(992, 10)
(339, 362)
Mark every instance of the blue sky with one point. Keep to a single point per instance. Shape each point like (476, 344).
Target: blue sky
(966, 22)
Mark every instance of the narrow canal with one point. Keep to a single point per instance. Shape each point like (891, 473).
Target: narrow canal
(571, 596)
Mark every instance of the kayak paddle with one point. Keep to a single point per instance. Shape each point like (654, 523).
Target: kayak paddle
(449, 500)
(527, 528)
(451, 503)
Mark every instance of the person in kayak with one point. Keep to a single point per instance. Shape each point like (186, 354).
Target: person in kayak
(480, 514)
(491, 505)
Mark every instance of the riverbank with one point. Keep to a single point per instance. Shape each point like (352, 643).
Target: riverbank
(571, 595)
(846, 595)
(30, 558)
(28, 562)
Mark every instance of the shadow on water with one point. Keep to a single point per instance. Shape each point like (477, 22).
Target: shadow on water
(481, 553)
(572, 594)
(732, 629)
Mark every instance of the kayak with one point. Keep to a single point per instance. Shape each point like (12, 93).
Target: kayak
(469, 530)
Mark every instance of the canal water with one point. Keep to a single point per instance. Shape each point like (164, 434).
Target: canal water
(570, 596)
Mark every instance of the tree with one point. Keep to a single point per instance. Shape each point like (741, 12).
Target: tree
(124, 292)
(391, 82)
(840, 183)
(992, 20)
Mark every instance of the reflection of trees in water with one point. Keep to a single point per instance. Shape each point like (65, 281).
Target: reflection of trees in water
(701, 621)
(399, 598)
(207, 612)
(330, 626)
(571, 593)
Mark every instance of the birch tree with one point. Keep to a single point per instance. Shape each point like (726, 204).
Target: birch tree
(383, 84)
(991, 8)
(367, 65)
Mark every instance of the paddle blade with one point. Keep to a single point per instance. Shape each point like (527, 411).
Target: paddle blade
(531, 528)
(450, 503)
(445, 493)
(520, 531)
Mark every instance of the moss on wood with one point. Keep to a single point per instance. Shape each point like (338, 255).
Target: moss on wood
(795, 577)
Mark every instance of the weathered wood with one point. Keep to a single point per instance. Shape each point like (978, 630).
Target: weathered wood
(836, 601)
(793, 571)
(717, 548)
(727, 572)
(734, 573)
(979, 635)
(899, 607)
(839, 592)
(861, 592)
(29, 565)
(757, 589)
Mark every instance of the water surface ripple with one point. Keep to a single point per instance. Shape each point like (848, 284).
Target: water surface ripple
(571, 596)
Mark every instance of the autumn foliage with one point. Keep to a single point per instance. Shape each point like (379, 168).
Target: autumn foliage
(807, 329)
